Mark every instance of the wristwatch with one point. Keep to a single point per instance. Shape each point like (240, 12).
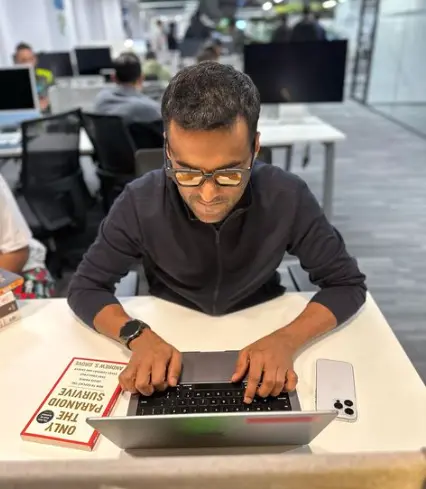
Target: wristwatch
(132, 330)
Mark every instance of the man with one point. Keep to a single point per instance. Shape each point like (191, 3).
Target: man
(282, 32)
(307, 29)
(24, 55)
(211, 230)
(125, 98)
(208, 16)
(153, 69)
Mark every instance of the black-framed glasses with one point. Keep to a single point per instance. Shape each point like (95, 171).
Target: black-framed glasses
(226, 177)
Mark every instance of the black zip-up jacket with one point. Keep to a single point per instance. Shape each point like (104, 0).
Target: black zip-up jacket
(217, 269)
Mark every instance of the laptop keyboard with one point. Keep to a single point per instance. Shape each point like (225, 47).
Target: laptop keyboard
(208, 398)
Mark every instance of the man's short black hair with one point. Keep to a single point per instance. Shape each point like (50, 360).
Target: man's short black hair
(307, 10)
(21, 46)
(128, 68)
(211, 96)
(207, 54)
(150, 55)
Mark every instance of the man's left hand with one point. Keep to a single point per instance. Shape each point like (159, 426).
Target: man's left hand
(269, 362)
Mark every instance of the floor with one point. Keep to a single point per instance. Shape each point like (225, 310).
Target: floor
(410, 115)
(380, 208)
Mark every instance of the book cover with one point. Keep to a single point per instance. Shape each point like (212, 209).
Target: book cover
(87, 387)
(9, 311)
(9, 281)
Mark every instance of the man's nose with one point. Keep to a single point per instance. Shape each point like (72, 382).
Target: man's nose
(208, 190)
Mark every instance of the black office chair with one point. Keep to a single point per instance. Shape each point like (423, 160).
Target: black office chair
(115, 151)
(147, 160)
(147, 135)
(52, 193)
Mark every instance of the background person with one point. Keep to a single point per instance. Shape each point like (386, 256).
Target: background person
(24, 55)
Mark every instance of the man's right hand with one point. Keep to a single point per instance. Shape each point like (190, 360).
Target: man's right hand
(154, 365)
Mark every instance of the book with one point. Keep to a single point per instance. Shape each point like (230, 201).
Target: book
(9, 311)
(9, 281)
(87, 387)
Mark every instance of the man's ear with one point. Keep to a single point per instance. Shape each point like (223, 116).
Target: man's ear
(257, 144)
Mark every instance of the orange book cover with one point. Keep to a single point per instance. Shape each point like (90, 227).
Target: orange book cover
(9, 281)
(87, 387)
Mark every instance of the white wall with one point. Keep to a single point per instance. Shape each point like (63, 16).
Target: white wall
(399, 60)
(40, 24)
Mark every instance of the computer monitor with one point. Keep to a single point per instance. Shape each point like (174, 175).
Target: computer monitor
(297, 72)
(59, 63)
(19, 93)
(91, 60)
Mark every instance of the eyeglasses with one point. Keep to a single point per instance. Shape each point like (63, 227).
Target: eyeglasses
(227, 177)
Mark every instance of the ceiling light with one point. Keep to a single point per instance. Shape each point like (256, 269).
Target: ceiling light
(329, 4)
(267, 6)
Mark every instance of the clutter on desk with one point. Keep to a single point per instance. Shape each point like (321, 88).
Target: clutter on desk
(86, 387)
(9, 281)
(9, 310)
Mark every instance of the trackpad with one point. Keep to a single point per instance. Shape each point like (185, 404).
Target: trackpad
(199, 367)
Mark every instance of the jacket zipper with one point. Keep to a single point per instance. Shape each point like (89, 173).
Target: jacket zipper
(219, 273)
(219, 263)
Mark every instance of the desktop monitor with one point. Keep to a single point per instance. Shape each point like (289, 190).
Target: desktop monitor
(91, 60)
(297, 72)
(21, 93)
(59, 63)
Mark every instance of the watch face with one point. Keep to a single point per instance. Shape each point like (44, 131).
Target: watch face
(130, 328)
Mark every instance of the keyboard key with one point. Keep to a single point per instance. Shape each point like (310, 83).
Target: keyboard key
(198, 394)
(214, 402)
(157, 411)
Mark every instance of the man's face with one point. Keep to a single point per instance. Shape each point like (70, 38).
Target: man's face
(209, 151)
(25, 57)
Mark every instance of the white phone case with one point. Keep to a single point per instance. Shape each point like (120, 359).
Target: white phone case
(336, 388)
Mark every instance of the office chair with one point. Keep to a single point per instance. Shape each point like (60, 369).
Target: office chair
(115, 152)
(147, 160)
(147, 135)
(52, 193)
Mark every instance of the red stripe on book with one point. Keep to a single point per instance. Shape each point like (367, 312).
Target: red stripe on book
(62, 440)
(290, 419)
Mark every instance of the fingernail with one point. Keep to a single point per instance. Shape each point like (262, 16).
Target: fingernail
(247, 400)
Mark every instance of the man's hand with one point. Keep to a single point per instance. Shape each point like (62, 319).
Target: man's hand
(154, 365)
(269, 361)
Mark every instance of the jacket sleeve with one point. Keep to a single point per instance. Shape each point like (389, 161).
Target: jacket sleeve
(322, 253)
(117, 248)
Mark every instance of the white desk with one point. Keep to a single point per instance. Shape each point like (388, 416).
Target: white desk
(391, 396)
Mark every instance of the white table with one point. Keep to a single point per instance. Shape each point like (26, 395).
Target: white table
(391, 395)
(305, 129)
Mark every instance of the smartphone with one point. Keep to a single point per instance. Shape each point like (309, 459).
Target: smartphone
(335, 388)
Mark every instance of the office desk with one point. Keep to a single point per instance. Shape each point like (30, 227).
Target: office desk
(306, 129)
(391, 396)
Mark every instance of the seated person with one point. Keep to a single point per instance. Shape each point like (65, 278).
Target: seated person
(125, 98)
(208, 54)
(211, 229)
(19, 252)
(154, 70)
(24, 55)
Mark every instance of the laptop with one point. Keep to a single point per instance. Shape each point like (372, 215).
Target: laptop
(18, 103)
(206, 410)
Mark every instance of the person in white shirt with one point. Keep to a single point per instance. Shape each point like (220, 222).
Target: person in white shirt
(159, 39)
(20, 252)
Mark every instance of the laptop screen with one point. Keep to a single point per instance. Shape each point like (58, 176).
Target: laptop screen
(297, 72)
(90, 61)
(18, 91)
(59, 63)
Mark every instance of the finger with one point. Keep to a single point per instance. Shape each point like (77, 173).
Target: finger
(254, 375)
(292, 379)
(127, 378)
(143, 379)
(175, 368)
(279, 382)
(241, 366)
(268, 381)
(159, 372)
